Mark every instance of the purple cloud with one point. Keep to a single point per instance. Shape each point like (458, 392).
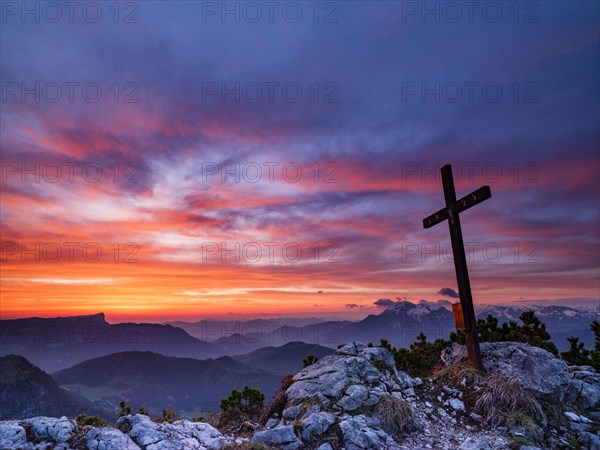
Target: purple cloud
(384, 302)
(448, 292)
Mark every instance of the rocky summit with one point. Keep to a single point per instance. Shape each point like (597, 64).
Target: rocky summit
(357, 399)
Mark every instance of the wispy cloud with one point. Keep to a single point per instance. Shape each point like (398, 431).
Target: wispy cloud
(61, 280)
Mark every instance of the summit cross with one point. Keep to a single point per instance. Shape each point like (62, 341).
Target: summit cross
(464, 311)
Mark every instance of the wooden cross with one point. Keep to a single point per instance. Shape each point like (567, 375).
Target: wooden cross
(451, 214)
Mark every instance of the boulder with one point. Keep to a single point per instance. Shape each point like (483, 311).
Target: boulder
(176, 443)
(59, 430)
(537, 369)
(292, 412)
(361, 432)
(207, 435)
(316, 424)
(456, 404)
(354, 397)
(164, 436)
(352, 349)
(354, 376)
(12, 435)
(272, 422)
(281, 437)
(584, 387)
(454, 354)
(109, 439)
(143, 431)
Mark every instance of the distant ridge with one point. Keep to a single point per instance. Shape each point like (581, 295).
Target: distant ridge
(57, 343)
(91, 318)
(157, 382)
(27, 391)
(285, 359)
(402, 321)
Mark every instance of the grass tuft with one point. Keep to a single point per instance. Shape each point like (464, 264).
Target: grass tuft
(460, 374)
(503, 399)
(395, 414)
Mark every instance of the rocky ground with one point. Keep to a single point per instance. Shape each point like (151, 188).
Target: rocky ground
(131, 432)
(356, 399)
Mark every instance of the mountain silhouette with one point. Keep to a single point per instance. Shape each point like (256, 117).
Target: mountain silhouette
(58, 343)
(156, 382)
(27, 391)
(284, 359)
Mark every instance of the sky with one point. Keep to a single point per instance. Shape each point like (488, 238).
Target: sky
(184, 160)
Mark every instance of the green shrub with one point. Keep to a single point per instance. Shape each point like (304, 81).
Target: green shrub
(309, 360)
(241, 406)
(210, 418)
(420, 358)
(595, 354)
(95, 421)
(168, 415)
(520, 441)
(124, 409)
(577, 355)
(531, 331)
(279, 398)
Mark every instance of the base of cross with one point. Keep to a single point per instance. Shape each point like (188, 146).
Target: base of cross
(473, 352)
(471, 338)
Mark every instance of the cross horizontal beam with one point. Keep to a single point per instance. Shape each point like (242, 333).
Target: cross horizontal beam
(472, 199)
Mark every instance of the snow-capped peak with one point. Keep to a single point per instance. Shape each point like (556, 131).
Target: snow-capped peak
(418, 309)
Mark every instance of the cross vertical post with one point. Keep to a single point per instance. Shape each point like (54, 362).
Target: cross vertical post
(451, 213)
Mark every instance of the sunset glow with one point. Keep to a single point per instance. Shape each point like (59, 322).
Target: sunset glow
(185, 203)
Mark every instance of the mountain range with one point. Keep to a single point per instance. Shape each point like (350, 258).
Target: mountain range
(402, 321)
(95, 364)
(210, 330)
(59, 343)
